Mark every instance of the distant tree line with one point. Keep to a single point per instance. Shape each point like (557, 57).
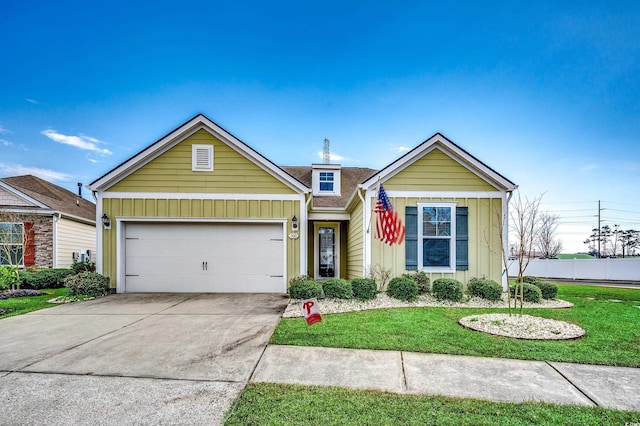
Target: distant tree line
(612, 241)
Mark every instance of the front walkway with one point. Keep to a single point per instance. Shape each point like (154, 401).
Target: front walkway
(492, 379)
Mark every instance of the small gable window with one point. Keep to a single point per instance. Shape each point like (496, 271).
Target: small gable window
(326, 181)
(202, 158)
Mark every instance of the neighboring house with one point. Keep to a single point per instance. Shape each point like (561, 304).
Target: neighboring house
(200, 211)
(51, 226)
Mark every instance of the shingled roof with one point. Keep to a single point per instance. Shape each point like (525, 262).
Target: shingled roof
(350, 178)
(54, 197)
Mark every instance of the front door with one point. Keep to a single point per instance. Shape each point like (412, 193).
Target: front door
(327, 247)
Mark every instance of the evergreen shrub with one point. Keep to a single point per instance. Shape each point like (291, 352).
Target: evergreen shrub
(447, 289)
(403, 288)
(338, 288)
(364, 288)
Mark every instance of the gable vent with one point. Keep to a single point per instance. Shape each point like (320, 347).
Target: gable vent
(202, 158)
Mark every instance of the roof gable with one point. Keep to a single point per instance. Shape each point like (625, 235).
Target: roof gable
(44, 195)
(440, 144)
(192, 128)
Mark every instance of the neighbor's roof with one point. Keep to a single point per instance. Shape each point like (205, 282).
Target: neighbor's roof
(350, 178)
(51, 196)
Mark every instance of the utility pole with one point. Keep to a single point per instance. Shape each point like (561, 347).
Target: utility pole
(599, 229)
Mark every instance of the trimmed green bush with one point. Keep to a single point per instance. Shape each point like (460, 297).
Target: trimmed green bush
(299, 278)
(8, 277)
(403, 288)
(83, 267)
(530, 292)
(422, 279)
(306, 289)
(447, 289)
(87, 284)
(486, 289)
(45, 278)
(548, 290)
(338, 288)
(364, 288)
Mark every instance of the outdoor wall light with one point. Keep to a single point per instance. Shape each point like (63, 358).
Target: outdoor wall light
(294, 223)
(106, 221)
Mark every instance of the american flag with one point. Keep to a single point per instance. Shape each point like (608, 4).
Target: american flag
(389, 227)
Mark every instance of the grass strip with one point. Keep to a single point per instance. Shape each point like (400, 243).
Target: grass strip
(275, 404)
(22, 305)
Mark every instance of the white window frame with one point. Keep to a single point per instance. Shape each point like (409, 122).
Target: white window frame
(196, 152)
(326, 174)
(21, 244)
(452, 238)
(326, 168)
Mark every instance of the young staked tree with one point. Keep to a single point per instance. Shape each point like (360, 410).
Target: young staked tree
(524, 227)
(547, 243)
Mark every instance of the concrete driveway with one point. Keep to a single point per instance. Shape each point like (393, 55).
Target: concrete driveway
(133, 358)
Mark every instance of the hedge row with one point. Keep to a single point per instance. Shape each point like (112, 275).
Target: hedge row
(408, 286)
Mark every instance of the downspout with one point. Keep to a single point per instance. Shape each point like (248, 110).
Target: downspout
(56, 218)
(505, 240)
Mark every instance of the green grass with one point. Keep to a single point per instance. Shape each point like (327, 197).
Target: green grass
(22, 305)
(272, 404)
(613, 330)
(575, 256)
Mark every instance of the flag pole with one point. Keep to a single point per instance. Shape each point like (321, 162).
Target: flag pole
(373, 205)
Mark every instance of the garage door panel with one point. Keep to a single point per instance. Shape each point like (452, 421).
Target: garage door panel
(168, 257)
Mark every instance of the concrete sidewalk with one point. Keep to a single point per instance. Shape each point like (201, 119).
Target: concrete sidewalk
(452, 375)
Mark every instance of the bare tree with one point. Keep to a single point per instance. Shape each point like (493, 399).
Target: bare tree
(546, 242)
(524, 227)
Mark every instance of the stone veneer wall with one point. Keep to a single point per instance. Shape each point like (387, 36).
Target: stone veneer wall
(43, 235)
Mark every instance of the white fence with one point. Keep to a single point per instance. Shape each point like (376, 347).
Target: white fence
(585, 269)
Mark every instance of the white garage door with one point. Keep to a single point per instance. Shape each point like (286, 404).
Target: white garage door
(204, 258)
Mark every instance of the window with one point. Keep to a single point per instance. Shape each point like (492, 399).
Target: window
(202, 158)
(436, 236)
(11, 244)
(326, 181)
(437, 248)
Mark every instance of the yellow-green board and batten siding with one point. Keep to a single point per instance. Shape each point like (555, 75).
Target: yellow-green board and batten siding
(436, 171)
(171, 173)
(485, 259)
(232, 172)
(355, 242)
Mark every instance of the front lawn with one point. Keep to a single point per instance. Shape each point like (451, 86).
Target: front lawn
(610, 317)
(273, 404)
(22, 305)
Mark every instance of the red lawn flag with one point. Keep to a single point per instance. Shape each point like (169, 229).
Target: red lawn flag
(389, 227)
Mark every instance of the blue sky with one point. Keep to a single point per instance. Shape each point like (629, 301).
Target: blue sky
(546, 93)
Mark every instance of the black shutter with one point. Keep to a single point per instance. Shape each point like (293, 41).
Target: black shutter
(411, 238)
(462, 238)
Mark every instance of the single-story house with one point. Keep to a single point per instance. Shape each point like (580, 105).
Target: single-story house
(42, 224)
(201, 211)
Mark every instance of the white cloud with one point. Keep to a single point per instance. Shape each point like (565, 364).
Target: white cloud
(332, 156)
(5, 142)
(3, 131)
(46, 174)
(82, 142)
(32, 101)
(92, 160)
(401, 148)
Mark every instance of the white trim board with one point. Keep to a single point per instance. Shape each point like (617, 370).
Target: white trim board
(201, 196)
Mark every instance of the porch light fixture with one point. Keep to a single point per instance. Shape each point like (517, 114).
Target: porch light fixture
(294, 223)
(106, 221)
